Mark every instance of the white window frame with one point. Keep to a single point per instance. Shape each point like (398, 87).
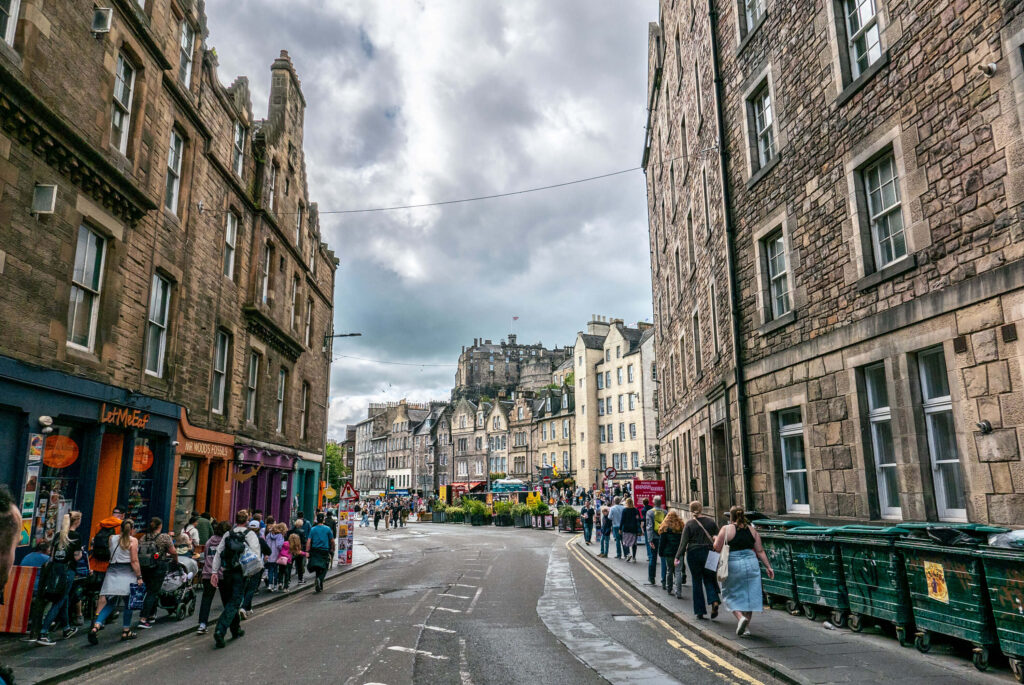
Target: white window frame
(764, 124)
(251, 387)
(157, 323)
(777, 268)
(300, 215)
(272, 187)
(172, 189)
(630, 374)
(698, 353)
(309, 321)
(880, 210)
(230, 241)
(713, 303)
(868, 28)
(93, 243)
(753, 10)
(12, 22)
(122, 106)
(265, 267)
(792, 430)
(295, 302)
(218, 386)
(187, 45)
(632, 401)
(238, 148)
(932, 406)
(304, 412)
(880, 416)
(707, 205)
(282, 384)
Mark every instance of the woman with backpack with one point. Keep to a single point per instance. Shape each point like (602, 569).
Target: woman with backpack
(209, 589)
(156, 552)
(123, 572)
(55, 585)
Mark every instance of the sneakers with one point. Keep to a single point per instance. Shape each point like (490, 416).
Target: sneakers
(145, 624)
(69, 631)
(741, 627)
(242, 614)
(218, 641)
(29, 638)
(201, 630)
(45, 641)
(319, 585)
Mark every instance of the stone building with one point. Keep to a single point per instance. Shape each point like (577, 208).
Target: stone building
(874, 233)
(492, 370)
(469, 437)
(430, 453)
(521, 453)
(134, 204)
(496, 422)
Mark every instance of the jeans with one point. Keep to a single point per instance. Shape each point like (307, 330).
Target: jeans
(249, 587)
(705, 582)
(110, 606)
(322, 558)
(284, 575)
(588, 530)
(617, 533)
(365, 523)
(652, 562)
(153, 578)
(676, 578)
(300, 566)
(232, 590)
(606, 539)
(272, 574)
(206, 602)
(59, 608)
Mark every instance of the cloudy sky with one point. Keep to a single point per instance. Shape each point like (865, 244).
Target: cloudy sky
(412, 102)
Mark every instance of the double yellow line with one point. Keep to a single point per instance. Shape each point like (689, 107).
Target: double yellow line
(696, 653)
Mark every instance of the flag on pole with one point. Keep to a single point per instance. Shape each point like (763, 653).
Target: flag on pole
(515, 318)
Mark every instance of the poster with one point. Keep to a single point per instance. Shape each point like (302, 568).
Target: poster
(35, 448)
(648, 490)
(346, 532)
(935, 577)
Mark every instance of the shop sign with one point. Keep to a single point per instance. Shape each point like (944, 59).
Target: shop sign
(206, 449)
(123, 417)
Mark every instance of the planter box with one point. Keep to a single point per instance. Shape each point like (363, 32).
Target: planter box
(477, 519)
(426, 516)
(503, 520)
(569, 525)
(523, 521)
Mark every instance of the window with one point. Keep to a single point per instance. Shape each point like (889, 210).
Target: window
(603, 460)
(299, 216)
(862, 35)
(601, 433)
(565, 460)
(607, 379)
(672, 188)
(188, 39)
(698, 357)
(304, 412)
(156, 327)
(778, 274)
(272, 187)
(938, 417)
(621, 399)
(636, 459)
(707, 207)
(173, 171)
(265, 267)
(629, 373)
(608, 406)
(600, 407)
(565, 400)
(520, 413)
(124, 90)
(565, 428)
(696, 82)
(496, 423)
(615, 461)
(880, 420)
(753, 10)
(282, 382)
(309, 321)
(622, 432)
(86, 282)
(618, 375)
(760, 105)
(632, 401)
(794, 468)
(608, 355)
(8, 20)
(295, 302)
(543, 431)
(221, 348)
(251, 384)
(881, 186)
(230, 238)
(713, 303)
(238, 149)
(600, 381)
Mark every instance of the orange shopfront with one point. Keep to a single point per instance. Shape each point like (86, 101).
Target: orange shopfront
(203, 473)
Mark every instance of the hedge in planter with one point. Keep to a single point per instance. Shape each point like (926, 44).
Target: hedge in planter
(502, 514)
(568, 519)
(541, 515)
(521, 516)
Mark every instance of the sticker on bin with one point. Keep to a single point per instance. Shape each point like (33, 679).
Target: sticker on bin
(935, 575)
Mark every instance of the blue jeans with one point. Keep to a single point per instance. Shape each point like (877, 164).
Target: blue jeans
(705, 582)
(652, 562)
(588, 530)
(108, 609)
(606, 540)
(617, 533)
(232, 591)
(249, 587)
(272, 574)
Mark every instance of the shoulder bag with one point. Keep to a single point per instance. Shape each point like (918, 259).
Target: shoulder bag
(712, 561)
(723, 563)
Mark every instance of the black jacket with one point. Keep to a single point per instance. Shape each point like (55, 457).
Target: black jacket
(631, 520)
(668, 543)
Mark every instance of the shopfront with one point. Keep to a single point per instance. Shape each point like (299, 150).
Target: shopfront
(203, 473)
(69, 443)
(307, 483)
(263, 480)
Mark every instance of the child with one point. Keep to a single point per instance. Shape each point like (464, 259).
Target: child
(284, 559)
(298, 556)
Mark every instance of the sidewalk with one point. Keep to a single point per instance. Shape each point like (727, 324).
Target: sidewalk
(796, 650)
(68, 658)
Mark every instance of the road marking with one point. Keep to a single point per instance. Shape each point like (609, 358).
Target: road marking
(384, 551)
(475, 598)
(464, 676)
(435, 628)
(452, 611)
(445, 594)
(463, 585)
(418, 652)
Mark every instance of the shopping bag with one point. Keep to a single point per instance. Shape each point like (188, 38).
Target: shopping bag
(136, 595)
(723, 565)
(712, 563)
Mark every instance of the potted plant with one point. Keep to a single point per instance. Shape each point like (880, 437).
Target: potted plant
(439, 513)
(541, 515)
(477, 511)
(503, 514)
(521, 516)
(454, 514)
(568, 519)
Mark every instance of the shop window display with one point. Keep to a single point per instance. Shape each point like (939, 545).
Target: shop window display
(51, 482)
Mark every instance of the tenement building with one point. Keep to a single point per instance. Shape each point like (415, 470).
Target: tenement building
(874, 252)
(163, 285)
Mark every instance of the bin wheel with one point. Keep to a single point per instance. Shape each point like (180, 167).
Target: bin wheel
(901, 635)
(980, 658)
(855, 623)
(191, 606)
(809, 611)
(1017, 666)
(792, 607)
(838, 618)
(923, 642)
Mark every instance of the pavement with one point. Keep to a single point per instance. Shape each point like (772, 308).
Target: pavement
(75, 656)
(796, 650)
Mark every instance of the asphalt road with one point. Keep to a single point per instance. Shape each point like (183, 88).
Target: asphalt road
(451, 604)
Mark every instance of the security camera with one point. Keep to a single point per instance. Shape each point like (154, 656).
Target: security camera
(985, 426)
(174, 443)
(988, 69)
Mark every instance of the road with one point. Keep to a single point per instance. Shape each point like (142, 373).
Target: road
(451, 604)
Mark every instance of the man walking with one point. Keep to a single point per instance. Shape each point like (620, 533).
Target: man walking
(587, 513)
(655, 515)
(240, 541)
(616, 516)
(320, 547)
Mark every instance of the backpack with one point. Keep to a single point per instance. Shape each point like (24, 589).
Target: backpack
(234, 548)
(101, 544)
(149, 553)
(54, 582)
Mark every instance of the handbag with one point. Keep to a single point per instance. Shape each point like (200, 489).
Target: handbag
(711, 563)
(723, 563)
(136, 596)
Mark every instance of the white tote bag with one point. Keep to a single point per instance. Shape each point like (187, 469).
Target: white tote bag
(712, 561)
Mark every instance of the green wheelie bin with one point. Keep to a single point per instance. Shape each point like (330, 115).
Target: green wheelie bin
(818, 571)
(948, 594)
(1004, 577)
(776, 547)
(876, 579)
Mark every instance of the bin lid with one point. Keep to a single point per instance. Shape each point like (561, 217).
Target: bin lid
(970, 528)
(877, 531)
(812, 530)
(780, 523)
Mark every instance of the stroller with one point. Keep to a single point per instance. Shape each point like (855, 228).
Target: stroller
(177, 594)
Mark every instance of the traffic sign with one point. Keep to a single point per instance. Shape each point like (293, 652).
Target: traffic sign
(330, 493)
(349, 493)
(610, 472)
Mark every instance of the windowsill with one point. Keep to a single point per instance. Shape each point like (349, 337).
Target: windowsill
(777, 323)
(172, 217)
(751, 32)
(763, 171)
(891, 271)
(859, 82)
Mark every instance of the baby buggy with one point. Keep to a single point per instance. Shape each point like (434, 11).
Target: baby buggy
(177, 594)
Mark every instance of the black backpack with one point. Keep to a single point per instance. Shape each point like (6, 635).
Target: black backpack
(149, 552)
(234, 548)
(101, 544)
(53, 583)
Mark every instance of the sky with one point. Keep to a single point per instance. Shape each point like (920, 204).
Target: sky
(410, 102)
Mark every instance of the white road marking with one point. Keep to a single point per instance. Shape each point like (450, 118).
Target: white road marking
(464, 676)
(445, 594)
(463, 585)
(419, 652)
(475, 598)
(435, 628)
(382, 551)
(453, 611)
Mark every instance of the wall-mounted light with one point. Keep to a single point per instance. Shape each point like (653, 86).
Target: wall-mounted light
(988, 69)
(985, 426)
(102, 20)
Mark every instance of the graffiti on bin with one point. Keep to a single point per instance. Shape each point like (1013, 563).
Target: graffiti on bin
(865, 575)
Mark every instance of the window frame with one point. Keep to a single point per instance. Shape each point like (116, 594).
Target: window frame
(282, 391)
(760, 105)
(931, 407)
(265, 270)
(94, 292)
(159, 286)
(230, 242)
(878, 415)
(851, 36)
(308, 335)
(304, 412)
(239, 136)
(118, 106)
(873, 214)
(11, 30)
(222, 357)
(698, 352)
(776, 237)
(172, 185)
(792, 430)
(272, 186)
(252, 382)
(186, 53)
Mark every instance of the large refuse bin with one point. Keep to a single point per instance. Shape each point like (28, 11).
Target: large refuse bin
(948, 595)
(818, 571)
(876, 579)
(1004, 578)
(776, 548)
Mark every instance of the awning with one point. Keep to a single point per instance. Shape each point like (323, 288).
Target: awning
(480, 485)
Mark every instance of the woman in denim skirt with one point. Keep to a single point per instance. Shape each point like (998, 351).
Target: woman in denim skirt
(741, 591)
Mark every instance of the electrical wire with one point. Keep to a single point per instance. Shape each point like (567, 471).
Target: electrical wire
(381, 361)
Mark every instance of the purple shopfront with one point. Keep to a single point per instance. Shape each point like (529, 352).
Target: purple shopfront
(263, 480)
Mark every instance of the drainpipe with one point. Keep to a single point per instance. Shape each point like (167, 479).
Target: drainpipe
(741, 395)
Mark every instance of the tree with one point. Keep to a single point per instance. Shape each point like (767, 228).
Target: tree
(334, 455)
(570, 378)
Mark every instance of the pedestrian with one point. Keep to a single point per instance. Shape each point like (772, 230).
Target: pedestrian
(39, 557)
(192, 530)
(275, 540)
(653, 517)
(376, 518)
(299, 560)
(320, 547)
(252, 581)
(80, 568)
(99, 559)
(670, 532)
(587, 514)
(284, 559)
(606, 531)
(234, 555)
(10, 536)
(741, 590)
(630, 526)
(365, 521)
(156, 552)
(295, 556)
(205, 527)
(209, 589)
(698, 539)
(616, 515)
(55, 584)
(121, 574)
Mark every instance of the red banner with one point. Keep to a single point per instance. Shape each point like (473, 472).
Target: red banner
(648, 490)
